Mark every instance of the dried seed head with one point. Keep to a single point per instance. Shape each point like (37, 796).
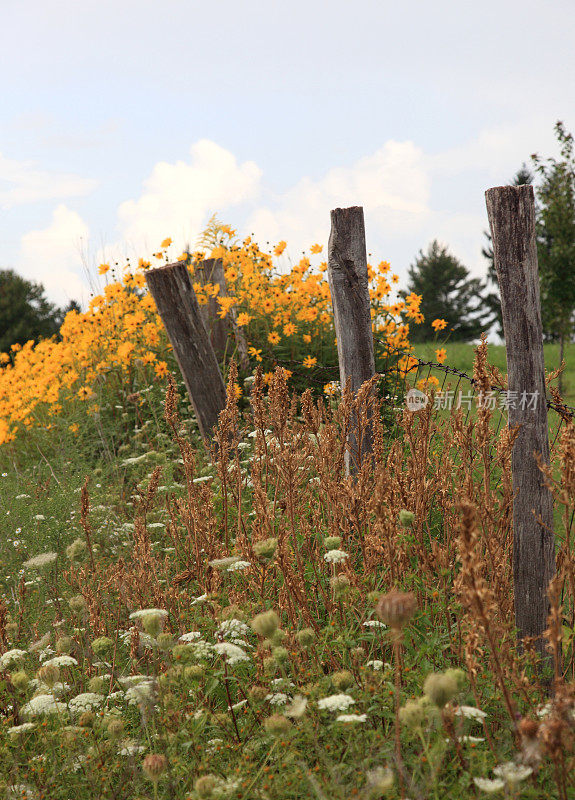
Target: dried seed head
(205, 785)
(154, 766)
(440, 688)
(342, 680)
(266, 623)
(406, 518)
(277, 725)
(305, 637)
(396, 608)
(48, 674)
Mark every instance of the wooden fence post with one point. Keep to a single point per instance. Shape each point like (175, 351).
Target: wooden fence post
(211, 270)
(348, 283)
(511, 211)
(171, 287)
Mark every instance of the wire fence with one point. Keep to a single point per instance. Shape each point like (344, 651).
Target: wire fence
(400, 371)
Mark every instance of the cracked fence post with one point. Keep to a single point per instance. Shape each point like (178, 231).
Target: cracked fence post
(511, 211)
(172, 290)
(348, 283)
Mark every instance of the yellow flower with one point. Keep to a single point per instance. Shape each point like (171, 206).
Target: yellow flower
(289, 329)
(316, 248)
(279, 248)
(74, 427)
(438, 324)
(161, 369)
(103, 268)
(243, 319)
(441, 354)
(166, 243)
(274, 338)
(257, 354)
(309, 361)
(307, 338)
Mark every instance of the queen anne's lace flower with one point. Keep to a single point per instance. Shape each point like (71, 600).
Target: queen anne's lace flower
(489, 786)
(238, 566)
(85, 702)
(512, 773)
(16, 730)
(42, 704)
(232, 652)
(470, 712)
(336, 702)
(233, 628)
(277, 698)
(351, 718)
(190, 636)
(61, 661)
(335, 556)
(11, 657)
(41, 560)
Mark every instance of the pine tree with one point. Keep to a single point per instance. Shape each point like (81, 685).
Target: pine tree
(447, 293)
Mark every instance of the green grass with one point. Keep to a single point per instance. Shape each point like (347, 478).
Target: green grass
(460, 355)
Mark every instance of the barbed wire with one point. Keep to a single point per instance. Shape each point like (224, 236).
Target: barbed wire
(561, 408)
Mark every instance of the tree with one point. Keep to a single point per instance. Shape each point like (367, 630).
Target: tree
(447, 293)
(556, 240)
(522, 177)
(25, 312)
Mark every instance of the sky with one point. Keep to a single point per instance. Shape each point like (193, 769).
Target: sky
(126, 122)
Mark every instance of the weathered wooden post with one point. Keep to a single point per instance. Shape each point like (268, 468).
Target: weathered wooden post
(211, 270)
(172, 290)
(511, 211)
(348, 283)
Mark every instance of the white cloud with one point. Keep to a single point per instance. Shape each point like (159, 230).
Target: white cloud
(28, 184)
(53, 256)
(179, 198)
(391, 184)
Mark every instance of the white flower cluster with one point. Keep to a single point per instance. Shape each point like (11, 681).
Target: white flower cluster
(277, 698)
(191, 636)
(11, 657)
(233, 628)
(232, 653)
(351, 718)
(470, 712)
(238, 566)
(336, 702)
(61, 661)
(39, 561)
(42, 704)
(335, 556)
(85, 702)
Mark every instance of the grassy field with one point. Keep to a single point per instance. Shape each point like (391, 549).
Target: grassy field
(460, 356)
(255, 625)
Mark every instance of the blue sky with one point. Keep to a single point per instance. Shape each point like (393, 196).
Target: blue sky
(126, 122)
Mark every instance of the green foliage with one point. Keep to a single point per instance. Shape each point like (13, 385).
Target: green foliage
(25, 312)
(556, 238)
(448, 293)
